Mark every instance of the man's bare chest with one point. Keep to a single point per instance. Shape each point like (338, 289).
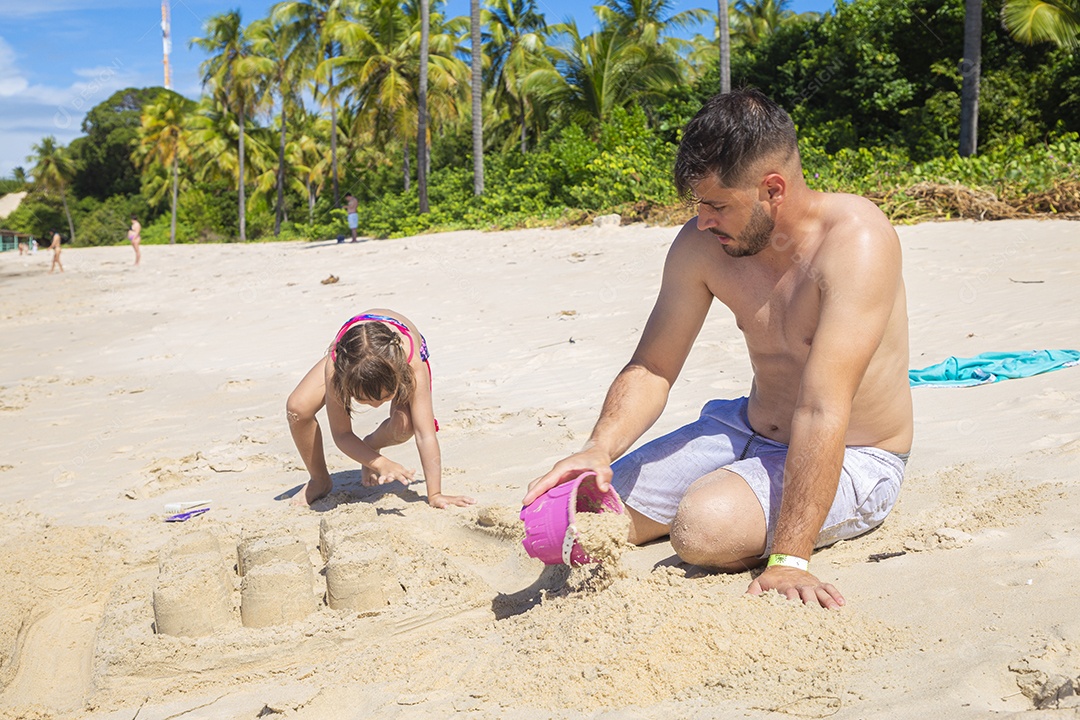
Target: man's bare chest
(777, 315)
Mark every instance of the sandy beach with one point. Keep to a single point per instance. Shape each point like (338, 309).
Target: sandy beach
(123, 389)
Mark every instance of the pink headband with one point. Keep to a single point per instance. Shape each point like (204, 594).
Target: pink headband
(341, 333)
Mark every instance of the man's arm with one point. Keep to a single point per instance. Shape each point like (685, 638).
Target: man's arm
(855, 308)
(638, 395)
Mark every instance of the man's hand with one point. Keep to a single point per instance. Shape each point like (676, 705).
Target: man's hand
(440, 501)
(796, 584)
(383, 471)
(591, 458)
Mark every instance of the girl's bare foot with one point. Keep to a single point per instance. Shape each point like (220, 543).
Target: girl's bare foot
(368, 478)
(314, 490)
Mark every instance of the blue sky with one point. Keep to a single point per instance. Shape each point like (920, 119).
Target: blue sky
(59, 58)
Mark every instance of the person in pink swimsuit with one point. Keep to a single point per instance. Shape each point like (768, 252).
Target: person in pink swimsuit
(369, 364)
(135, 236)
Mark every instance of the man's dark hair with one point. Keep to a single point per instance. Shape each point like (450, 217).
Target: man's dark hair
(729, 136)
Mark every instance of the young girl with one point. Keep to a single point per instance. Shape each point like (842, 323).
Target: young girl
(377, 357)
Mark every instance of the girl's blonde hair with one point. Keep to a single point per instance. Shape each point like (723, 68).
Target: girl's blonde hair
(370, 362)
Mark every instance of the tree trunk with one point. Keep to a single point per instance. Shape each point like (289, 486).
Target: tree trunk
(970, 70)
(71, 225)
(725, 46)
(477, 101)
(524, 132)
(333, 133)
(421, 125)
(310, 201)
(279, 211)
(408, 170)
(240, 180)
(175, 192)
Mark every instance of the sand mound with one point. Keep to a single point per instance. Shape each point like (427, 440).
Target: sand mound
(1050, 676)
(644, 639)
(603, 536)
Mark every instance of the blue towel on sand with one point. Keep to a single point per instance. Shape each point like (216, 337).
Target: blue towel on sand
(991, 367)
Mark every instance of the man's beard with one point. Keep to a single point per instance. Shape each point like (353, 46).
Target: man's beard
(755, 236)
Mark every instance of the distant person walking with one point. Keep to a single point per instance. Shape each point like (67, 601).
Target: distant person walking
(55, 247)
(351, 205)
(135, 236)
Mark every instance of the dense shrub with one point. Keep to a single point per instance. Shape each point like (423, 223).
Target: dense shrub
(107, 223)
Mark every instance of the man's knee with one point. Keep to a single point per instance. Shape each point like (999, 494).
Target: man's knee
(719, 523)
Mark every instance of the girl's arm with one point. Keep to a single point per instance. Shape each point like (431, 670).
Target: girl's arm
(427, 442)
(347, 441)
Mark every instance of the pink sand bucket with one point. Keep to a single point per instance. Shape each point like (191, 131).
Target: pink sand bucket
(550, 534)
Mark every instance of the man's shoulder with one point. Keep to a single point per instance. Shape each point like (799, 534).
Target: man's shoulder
(693, 247)
(848, 208)
(852, 222)
(859, 242)
(691, 238)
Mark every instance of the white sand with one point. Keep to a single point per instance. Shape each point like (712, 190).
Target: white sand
(10, 203)
(122, 389)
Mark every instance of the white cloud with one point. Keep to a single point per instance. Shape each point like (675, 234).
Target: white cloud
(22, 10)
(34, 111)
(12, 81)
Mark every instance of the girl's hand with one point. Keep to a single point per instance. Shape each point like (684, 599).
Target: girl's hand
(383, 471)
(440, 501)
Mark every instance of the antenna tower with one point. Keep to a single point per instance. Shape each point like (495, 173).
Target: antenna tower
(166, 41)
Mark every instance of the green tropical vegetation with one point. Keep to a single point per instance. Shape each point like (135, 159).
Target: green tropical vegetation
(932, 108)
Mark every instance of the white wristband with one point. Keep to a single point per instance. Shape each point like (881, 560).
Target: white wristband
(788, 560)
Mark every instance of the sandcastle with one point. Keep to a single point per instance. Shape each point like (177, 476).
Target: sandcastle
(277, 593)
(193, 594)
(361, 573)
(278, 585)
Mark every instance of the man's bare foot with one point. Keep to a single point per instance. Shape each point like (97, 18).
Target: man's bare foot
(314, 490)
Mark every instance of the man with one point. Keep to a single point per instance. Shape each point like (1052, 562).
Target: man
(816, 453)
(351, 204)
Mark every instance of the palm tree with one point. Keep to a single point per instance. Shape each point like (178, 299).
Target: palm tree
(647, 20)
(477, 69)
(313, 22)
(755, 19)
(279, 44)
(233, 73)
(517, 49)
(608, 69)
(1034, 21)
(970, 69)
(421, 107)
(380, 70)
(163, 140)
(53, 170)
(19, 174)
(213, 136)
(308, 155)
